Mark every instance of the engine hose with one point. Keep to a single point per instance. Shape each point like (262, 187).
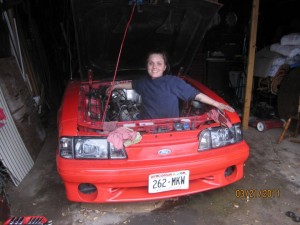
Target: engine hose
(118, 60)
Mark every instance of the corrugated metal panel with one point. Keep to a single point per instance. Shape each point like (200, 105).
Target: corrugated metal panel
(13, 152)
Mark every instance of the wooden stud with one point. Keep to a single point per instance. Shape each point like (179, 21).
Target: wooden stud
(250, 67)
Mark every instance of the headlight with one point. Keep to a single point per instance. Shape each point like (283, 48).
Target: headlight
(219, 136)
(89, 148)
(66, 148)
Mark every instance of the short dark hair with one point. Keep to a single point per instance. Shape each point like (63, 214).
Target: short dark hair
(164, 55)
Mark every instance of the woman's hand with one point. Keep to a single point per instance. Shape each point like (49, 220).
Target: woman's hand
(127, 86)
(205, 99)
(222, 106)
(110, 89)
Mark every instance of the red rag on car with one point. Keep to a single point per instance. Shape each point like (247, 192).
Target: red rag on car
(119, 135)
(2, 117)
(219, 117)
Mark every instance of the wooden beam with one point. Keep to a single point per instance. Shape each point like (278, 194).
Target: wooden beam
(250, 67)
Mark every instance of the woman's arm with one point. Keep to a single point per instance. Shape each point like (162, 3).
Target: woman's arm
(207, 100)
(127, 86)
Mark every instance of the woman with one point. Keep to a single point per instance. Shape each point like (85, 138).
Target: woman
(161, 93)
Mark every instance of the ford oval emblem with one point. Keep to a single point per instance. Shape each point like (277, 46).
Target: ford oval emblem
(164, 151)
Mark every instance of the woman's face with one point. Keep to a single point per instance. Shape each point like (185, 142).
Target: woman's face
(156, 65)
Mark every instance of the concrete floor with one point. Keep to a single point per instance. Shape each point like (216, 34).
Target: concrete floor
(271, 166)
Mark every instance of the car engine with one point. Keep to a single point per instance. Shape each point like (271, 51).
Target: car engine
(124, 105)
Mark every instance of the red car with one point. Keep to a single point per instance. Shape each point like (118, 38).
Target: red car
(202, 149)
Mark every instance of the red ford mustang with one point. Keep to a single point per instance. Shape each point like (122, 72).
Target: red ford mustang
(169, 157)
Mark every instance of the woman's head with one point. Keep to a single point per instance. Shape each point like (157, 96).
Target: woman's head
(157, 64)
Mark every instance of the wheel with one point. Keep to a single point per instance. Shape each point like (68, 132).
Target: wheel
(260, 126)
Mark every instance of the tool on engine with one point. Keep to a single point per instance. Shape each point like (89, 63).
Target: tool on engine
(138, 3)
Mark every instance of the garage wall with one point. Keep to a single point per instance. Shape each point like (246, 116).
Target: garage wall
(21, 106)
(13, 152)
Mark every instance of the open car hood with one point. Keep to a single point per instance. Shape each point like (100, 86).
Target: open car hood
(176, 26)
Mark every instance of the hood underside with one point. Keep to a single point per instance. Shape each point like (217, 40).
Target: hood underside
(175, 26)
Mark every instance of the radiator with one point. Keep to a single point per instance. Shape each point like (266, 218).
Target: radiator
(13, 152)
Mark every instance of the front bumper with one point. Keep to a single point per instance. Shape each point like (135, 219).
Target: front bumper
(117, 181)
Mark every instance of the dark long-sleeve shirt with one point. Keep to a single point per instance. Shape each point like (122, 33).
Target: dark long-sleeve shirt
(160, 96)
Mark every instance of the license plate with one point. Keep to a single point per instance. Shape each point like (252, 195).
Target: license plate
(168, 181)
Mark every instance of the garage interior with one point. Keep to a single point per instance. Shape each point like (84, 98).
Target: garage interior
(241, 58)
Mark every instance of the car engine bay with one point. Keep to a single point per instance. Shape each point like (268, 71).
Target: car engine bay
(124, 106)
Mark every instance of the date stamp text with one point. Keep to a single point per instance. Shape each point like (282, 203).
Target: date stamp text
(257, 193)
